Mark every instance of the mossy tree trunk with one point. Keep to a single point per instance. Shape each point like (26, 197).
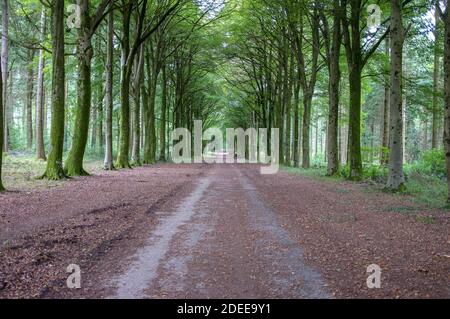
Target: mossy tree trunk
(54, 169)
(333, 49)
(1, 130)
(137, 84)
(5, 73)
(384, 155)
(124, 135)
(435, 140)
(108, 163)
(29, 106)
(396, 177)
(162, 129)
(40, 149)
(356, 60)
(446, 18)
(74, 162)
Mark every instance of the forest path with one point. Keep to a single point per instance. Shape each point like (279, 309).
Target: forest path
(219, 231)
(221, 241)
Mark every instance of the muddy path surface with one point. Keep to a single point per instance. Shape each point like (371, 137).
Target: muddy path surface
(219, 231)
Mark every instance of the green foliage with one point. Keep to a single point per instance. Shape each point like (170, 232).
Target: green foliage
(432, 163)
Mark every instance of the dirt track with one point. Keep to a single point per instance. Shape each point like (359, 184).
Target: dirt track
(222, 231)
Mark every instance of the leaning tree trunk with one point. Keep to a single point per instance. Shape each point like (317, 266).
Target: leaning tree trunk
(29, 106)
(396, 178)
(54, 169)
(5, 73)
(74, 162)
(108, 163)
(40, 149)
(447, 91)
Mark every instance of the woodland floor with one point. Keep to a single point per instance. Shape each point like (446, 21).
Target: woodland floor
(219, 231)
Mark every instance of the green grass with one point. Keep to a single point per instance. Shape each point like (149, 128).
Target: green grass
(428, 191)
(21, 172)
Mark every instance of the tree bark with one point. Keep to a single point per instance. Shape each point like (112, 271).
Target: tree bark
(384, 153)
(29, 103)
(162, 131)
(40, 148)
(333, 91)
(54, 169)
(139, 75)
(446, 18)
(435, 140)
(108, 163)
(1, 130)
(124, 135)
(396, 178)
(74, 162)
(296, 125)
(5, 73)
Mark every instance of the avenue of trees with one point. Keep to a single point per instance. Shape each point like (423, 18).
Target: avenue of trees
(113, 76)
(344, 87)
(349, 83)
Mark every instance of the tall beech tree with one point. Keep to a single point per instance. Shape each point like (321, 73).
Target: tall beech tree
(333, 42)
(54, 170)
(109, 103)
(40, 101)
(5, 72)
(445, 16)
(396, 177)
(88, 26)
(357, 57)
(1, 130)
(129, 50)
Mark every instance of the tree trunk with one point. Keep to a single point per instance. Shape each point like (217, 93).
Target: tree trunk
(124, 136)
(29, 105)
(5, 73)
(296, 124)
(354, 132)
(384, 154)
(74, 162)
(447, 90)
(108, 163)
(162, 131)
(54, 169)
(306, 128)
(40, 148)
(333, 91)
(435, 142)
(136, 152)
(396, 178)
(153, 71)
(1, 130)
